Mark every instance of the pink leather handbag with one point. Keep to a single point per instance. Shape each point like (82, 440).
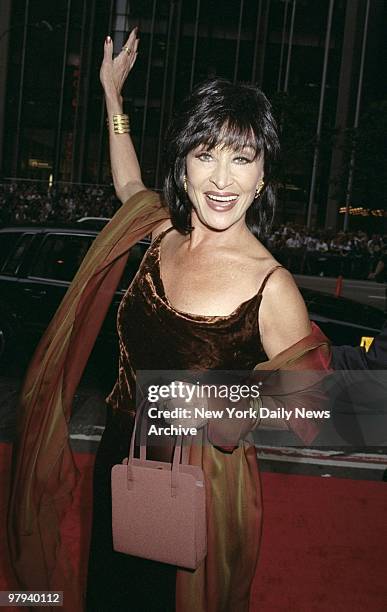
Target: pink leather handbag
(158, 508)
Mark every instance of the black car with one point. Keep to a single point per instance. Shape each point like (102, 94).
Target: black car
(38, 263)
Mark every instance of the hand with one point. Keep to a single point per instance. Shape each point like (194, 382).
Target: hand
(113, 72)
(183, 402)
(227, 432)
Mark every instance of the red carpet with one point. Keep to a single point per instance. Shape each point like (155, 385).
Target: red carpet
(324, 541)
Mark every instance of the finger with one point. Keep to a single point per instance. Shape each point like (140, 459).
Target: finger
(131, 43)
(108, 49)
(132, 36)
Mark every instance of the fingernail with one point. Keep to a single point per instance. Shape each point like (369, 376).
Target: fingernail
(108, 40)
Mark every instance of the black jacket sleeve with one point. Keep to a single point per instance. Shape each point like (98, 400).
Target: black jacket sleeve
(357, 358)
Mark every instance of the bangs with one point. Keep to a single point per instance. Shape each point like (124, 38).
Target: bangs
(227, 133)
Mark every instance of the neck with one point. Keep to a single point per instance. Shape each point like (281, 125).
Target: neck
(236, 234)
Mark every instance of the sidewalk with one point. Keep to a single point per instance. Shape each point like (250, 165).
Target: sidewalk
(324, 541)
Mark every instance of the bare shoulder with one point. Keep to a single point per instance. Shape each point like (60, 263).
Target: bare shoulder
(283, 317)
(281, 292)
(280, 280)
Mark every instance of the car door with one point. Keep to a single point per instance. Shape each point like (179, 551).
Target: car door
(49, 276)
(15, 248)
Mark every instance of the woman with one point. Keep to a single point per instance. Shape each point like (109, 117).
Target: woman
(208, 295)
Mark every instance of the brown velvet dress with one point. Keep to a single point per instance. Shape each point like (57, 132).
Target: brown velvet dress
(155, 336)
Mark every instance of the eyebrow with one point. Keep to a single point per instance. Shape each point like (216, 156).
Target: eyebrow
(206, 147)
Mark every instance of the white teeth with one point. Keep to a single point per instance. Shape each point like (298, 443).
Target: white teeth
(221, 198)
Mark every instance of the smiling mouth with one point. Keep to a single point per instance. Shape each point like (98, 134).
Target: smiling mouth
(221, 202)
(222, 199)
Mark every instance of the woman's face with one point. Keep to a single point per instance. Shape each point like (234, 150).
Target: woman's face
(221, 183)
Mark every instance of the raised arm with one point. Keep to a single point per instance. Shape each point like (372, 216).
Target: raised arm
(124, 163)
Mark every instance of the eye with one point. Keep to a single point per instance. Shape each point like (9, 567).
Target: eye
(204, 156)
(242, 160)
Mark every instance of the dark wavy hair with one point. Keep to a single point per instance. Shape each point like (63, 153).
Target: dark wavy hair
(218, 112)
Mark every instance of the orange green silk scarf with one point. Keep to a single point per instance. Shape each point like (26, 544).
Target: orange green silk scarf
(44, 472)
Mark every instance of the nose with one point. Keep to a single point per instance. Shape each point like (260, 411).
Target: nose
(221, 175)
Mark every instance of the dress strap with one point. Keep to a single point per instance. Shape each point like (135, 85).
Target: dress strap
(268, 275)
(161, 235)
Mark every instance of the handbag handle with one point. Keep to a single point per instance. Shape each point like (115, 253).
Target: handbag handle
(178, 453)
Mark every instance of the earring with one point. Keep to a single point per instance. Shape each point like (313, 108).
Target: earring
(185, 185)
(259, 189)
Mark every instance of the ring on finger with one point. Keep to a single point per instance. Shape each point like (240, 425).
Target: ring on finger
(127, 49)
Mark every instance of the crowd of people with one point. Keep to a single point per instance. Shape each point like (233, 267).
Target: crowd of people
(327, 253)
(302, 251)
(33, 203)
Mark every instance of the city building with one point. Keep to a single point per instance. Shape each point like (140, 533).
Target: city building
(319, 61)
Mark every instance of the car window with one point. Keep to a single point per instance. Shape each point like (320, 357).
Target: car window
(60, 256)
(11, 264)
(134, 260)
(7, 241)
